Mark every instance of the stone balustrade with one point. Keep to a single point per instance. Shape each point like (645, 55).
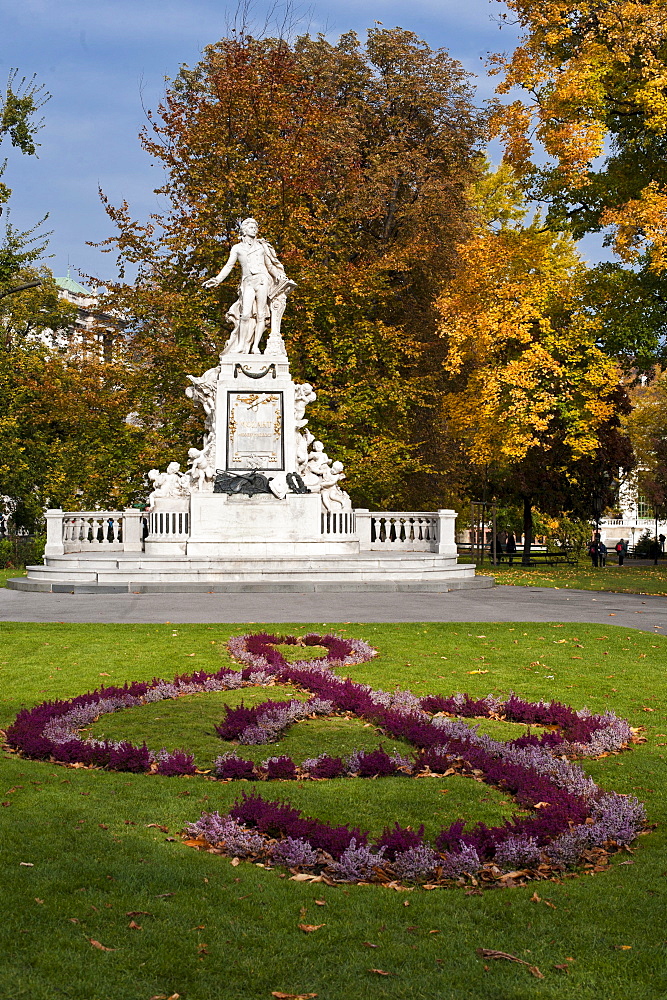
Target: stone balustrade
(407, 531)
(168, 525)
(93, 530)
(338, 523)
(126, 530)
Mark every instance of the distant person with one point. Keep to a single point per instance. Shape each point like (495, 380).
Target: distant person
(510, 547)
(661, 539)
(594, 551)
(602, 554)
(622, 550)
(499, 548)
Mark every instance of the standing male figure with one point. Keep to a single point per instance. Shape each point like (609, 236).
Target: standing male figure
(259, 265)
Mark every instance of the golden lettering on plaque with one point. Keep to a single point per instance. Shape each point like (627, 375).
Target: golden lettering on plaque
(254, 428)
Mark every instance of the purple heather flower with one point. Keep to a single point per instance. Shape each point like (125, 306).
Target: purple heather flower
(293, 853)
(464, 861)
(229, 765)
(416, 863)
(236, 839)
(518, 852)
(175, 763)
(357, 863)
(280, 767)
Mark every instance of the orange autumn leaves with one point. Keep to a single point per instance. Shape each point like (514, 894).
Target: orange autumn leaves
(594, 83)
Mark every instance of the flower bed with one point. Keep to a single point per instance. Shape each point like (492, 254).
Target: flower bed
(51, 730)
(572, 818)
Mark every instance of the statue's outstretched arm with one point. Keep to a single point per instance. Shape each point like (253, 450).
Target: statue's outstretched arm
(219, 278)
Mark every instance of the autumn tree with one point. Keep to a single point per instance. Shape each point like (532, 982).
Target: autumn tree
(529, 397)
(19, 106)
(593, 86)
(647, 428)
(355, 159)
(64, 434)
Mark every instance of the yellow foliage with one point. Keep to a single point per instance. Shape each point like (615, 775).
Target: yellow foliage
(593, 75)
(521, 353)
(641, 223)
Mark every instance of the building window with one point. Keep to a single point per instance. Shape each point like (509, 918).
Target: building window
(644, 508)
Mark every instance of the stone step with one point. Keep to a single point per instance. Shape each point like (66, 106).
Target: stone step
(372, 561)
(473, 583)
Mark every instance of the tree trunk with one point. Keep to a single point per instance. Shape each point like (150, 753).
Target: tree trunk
(527, 530)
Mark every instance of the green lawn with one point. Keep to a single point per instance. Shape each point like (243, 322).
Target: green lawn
(643, 579)
(8, 574)
(80, 859)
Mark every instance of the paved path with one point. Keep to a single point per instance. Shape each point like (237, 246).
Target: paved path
(499, 604)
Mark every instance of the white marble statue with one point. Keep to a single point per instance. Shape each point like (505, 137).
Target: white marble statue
(201, 472)
(318, 459)
(262, 294)
(172, 483)
(333, 497)
(303, 395)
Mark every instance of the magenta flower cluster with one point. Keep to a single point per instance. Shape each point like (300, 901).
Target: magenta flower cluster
(51, 730)
(579, 733)
(570, 813)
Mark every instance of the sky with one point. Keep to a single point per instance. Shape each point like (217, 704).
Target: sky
(105, 61)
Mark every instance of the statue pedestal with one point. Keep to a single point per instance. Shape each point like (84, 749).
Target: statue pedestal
(255, 424)
(234, 526)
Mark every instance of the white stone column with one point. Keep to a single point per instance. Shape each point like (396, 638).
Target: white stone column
(363, 518)
(54, 532)
(132, 524)
(445, 543)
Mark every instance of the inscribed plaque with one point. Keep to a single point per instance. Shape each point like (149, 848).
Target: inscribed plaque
(255, 430)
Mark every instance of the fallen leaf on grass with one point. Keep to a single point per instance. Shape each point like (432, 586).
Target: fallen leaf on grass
(367, 944)
(309, 928)
(73, 920)
(165, 829)
(40, 901)
(490, 953)
(478, 671)
(320, 902)
(163, 996)
(302, 877)
(133, 925)
(623, 947)
(381, 972)
(138, 913)
(99, 945)
(562, 968)
(27, 864)
(293, 996)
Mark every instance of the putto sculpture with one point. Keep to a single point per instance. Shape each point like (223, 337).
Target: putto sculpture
(262, 294)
